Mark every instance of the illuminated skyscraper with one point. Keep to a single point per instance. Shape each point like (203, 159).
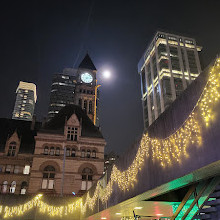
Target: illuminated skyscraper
(168, 66)
(25, 101)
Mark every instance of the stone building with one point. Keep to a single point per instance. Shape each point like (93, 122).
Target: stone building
(63, 157)
(16, 154)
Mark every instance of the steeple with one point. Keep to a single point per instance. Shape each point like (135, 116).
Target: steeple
(87, 63)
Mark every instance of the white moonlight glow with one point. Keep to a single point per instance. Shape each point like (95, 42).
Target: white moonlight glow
(106, 74)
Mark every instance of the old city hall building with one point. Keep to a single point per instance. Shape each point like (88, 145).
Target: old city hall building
(64, 156)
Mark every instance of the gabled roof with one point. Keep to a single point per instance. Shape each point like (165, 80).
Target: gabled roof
(56, 124)
(87, 63)
(23, 129)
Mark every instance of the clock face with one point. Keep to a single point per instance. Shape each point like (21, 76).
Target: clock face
(86, 78)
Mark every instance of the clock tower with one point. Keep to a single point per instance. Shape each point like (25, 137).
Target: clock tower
(86, 88)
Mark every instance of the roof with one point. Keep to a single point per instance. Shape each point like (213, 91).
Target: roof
(87, 63)
(23, 128)
(56, 124)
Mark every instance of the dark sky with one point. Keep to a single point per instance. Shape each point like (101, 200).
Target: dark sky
(39, 38)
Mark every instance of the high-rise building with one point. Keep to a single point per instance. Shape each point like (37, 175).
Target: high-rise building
(167, 67)
(25, 101)
(75, 86)
(62, 91)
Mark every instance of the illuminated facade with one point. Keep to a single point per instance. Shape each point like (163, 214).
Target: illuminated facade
(62, 157)
(168, 66)
(25, 101)
(75, 86)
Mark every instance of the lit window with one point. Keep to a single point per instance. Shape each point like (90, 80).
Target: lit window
(16, 169)
(83, 153)
(26, 170)
(68, 152)
(72, 133)
(4, 187)
(57, 153)
(88, 153)
(73, 152)
(46, 150)
(93, 154)
(52, 151)
(8, 169)
(87, 177)
(48, 178)
(12, 187)
(23, 188)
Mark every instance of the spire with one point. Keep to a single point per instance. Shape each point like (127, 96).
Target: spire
(87, 63)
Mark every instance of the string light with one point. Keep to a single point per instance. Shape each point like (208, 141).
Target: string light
(43, 207)
(165, 151)
(168, 150)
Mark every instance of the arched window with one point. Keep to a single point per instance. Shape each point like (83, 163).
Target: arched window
(4, 187)
(12, 149)
(94, 154)
(48, 178)
(87, 176)
(90, 107)
(24, 186)
(68, 152)
(88, 153)
(46, 150)
(57, 151)
(85, 105)
(52, 151)
(83, 153)
(73, 152)
(80, 103)
(12, 187)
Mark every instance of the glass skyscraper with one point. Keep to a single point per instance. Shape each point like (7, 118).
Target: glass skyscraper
(62, 91)
(25, 101)
(168, 66)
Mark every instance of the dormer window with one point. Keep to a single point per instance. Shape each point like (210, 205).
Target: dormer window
(72, 133)
(12, 149)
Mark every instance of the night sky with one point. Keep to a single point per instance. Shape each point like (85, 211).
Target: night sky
(39, 38)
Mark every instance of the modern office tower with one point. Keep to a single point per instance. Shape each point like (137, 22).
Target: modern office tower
(75, 86)
(62, 91)
(168, 66)
(25, 101)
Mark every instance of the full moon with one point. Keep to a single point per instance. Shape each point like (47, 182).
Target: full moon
(106, 74)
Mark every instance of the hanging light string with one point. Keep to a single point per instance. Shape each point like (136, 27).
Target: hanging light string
(43, 207)
(168, 150)
(165, 151)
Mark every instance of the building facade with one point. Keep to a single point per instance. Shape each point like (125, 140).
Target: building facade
(75, 86)
(63, 157)
(168, 66)
(25, 101)
(16, 154)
